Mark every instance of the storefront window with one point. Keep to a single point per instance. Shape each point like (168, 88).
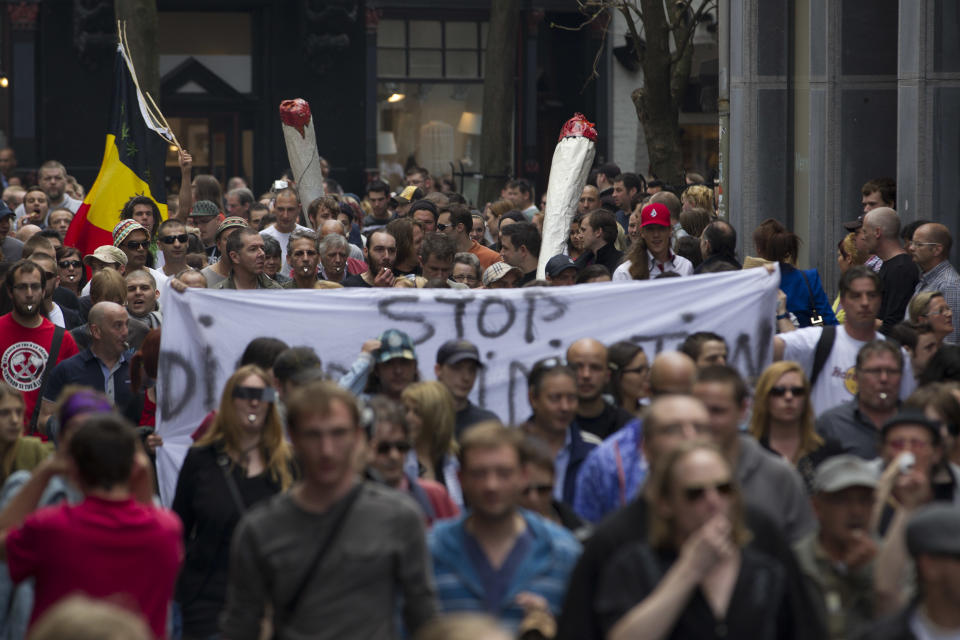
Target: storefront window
(430, 96)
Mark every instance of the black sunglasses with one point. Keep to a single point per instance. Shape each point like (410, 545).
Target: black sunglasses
(181, 238)
(137, 244)
(66, 264)
(693, 494)
(402, 446)
(779, 392)
(442, 227)
(264, 394)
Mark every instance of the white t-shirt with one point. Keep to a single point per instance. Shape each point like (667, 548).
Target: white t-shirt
(677, 264)
(283, 239)
(837, 382)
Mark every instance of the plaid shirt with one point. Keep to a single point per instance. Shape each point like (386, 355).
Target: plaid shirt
(945, 279)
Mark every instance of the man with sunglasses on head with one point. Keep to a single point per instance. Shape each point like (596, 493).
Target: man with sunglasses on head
(133, 239)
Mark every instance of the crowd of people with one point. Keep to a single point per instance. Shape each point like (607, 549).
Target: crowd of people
(648, 495)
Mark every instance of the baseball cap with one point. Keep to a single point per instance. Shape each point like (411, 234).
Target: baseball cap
(496, 271)
(853, 225)
(842, 472)
(912, 417)
(935, 529)
(655, 213)
(230, 223)
(106, 253)
(395, 344)
(558, 264)
(454, 351)
(408, 195)
(204, 209)
(124, 228)
(5, 211)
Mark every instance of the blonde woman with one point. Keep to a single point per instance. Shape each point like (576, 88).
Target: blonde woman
(243, 459)
(783, 418)
(431, 417)
(931, 308)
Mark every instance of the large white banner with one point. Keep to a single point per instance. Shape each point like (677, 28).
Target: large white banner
(205, 332)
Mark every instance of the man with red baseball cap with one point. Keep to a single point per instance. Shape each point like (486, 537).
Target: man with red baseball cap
(655, 230)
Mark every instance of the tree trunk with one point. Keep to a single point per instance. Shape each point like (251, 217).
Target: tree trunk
(499, 88)
(658, 102)
(141, 20)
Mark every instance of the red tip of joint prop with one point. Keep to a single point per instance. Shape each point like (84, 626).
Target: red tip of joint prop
(578, 127)
(296, 114)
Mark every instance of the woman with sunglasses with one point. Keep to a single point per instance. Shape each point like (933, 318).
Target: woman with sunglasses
(431, 417)
(930, 307)
(72, 274)
(695, 574)
(783, 419)
(240, 461)
(389, 446)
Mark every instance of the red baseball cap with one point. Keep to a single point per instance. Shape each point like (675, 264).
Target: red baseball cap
(655, 213)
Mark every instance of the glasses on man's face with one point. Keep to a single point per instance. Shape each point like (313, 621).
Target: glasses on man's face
(441, 226)
(384, 448)
(911, 444)
(182, 238)
(28, 286)
(924, 244)
(133, 245)
(779, 392)
(697, 493)
(70, 264)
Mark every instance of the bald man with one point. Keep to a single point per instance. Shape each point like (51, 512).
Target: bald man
(589, 199)
(880, 235)
(335, 226)
(931, 252)
(588, 357)
(613, 472)
(108, 353)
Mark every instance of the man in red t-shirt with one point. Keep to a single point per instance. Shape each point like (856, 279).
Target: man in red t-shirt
(26, 336)
(114, 545)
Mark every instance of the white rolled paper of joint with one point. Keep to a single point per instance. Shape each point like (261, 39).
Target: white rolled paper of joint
(301, 140)
(568, 174)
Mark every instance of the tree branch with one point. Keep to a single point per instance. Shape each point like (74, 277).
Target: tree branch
(688, 32)
(632, 27)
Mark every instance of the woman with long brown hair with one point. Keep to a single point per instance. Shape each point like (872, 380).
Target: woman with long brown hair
(73, 275)
(241, 460)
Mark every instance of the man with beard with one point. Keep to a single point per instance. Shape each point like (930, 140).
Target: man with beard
(62, 316)
(588, 358)
(380, 252)
(28, 341)
(245, 250)
(500, 559)
(334, 253)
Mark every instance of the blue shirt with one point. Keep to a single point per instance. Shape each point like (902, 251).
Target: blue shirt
(612, 474)
(87, 370)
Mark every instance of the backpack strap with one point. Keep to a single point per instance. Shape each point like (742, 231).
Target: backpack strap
(51, 362)
(822, 352)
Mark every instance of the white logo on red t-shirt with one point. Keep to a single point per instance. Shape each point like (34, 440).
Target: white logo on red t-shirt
(22, 364)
